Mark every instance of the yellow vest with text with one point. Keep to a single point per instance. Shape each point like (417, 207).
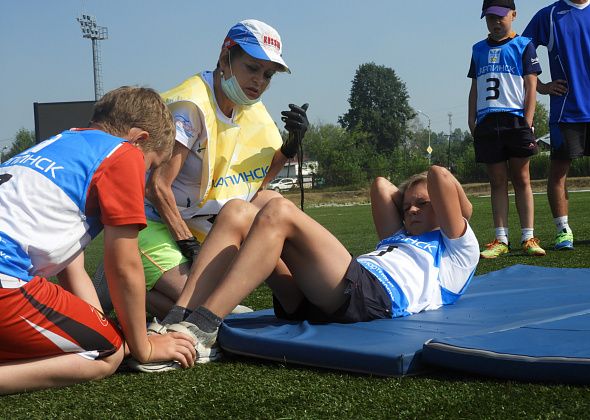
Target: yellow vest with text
(237, 157)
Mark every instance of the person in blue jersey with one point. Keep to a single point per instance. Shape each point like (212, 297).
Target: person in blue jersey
(502, 100)
(54, 199)
(564, 28)
(425, 259)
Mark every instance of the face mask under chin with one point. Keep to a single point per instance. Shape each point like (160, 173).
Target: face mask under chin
(232, 89)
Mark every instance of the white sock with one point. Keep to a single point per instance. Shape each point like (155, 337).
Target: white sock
(526, 234)
(561, 223)
(502, 234)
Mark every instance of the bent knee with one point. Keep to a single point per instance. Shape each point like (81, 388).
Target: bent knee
(237, 211)
(278, 210)
(263, 197)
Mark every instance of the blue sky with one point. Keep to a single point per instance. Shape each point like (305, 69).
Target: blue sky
(155, 43)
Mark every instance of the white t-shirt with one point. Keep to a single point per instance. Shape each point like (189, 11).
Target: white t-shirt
(425, 271)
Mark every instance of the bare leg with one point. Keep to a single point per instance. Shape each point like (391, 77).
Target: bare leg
(218, 251)
(284, 288)
(521, 180)
(264, 196)
(167, 290)
(556, 187)
(385, 202)
(316, 259)
(55, 371)
(498, 174)
(158, 304)
(280, 281)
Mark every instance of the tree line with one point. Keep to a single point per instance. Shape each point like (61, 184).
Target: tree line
(380, 135)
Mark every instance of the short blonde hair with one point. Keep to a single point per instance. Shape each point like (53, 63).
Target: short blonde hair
(126, 107)
(411, 181)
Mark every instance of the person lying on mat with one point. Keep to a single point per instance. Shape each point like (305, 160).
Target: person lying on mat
(425, 259)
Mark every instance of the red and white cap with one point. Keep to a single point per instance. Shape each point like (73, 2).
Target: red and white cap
(258, 39)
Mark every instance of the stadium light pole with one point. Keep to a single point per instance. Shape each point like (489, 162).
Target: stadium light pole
(95, 33)
(429, 150)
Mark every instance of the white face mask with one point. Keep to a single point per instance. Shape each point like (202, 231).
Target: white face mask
(233, 90)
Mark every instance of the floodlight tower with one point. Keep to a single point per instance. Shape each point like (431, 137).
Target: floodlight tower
(95, 33)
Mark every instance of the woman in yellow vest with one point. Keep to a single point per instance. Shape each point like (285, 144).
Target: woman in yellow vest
(227, 146)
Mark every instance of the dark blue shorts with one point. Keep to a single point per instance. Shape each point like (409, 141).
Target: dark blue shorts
(366, 299)
(576, 141)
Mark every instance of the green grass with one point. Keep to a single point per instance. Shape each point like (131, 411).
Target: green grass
(248, 388)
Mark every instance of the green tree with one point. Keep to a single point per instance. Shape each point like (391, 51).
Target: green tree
(541, 120)
(342, 156)
(378, 106)
(23, 140)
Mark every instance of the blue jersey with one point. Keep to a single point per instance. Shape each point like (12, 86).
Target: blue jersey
(499, 69)
(564, 28)
(43, 201)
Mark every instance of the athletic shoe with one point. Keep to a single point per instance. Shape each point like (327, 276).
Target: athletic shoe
(153, 367)
(241, 309)
(155, 327)
(206, 343)
(531, 247)
(564, 241)
(494, 249)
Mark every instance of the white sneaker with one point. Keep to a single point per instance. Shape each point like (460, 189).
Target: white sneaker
(155, 327)
(241, 309)
(153, 367)
(206, 343)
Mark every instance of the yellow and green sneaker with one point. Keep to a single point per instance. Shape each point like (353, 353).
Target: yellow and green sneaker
(495, 249)
(564, 241)
(532, 247)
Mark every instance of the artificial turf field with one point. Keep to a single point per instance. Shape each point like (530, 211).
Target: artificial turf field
(249, 388)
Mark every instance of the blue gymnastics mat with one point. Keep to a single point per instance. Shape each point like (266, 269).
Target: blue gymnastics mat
(503, 300)
(556, 351)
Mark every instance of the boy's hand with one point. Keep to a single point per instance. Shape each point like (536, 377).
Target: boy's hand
(172, 346)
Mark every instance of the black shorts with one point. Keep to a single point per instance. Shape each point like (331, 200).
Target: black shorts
(366, 299)
(576, 141)
(501, 136)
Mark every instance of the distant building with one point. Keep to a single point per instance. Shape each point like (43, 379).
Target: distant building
(291, 169)
(308, 169)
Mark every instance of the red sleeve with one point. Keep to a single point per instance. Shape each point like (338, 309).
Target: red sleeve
(118, 188)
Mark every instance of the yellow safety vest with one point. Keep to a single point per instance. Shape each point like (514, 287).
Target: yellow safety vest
(237, 157)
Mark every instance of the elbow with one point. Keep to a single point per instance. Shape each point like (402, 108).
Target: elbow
(467, 210)
(439, 173)
(154, 191)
